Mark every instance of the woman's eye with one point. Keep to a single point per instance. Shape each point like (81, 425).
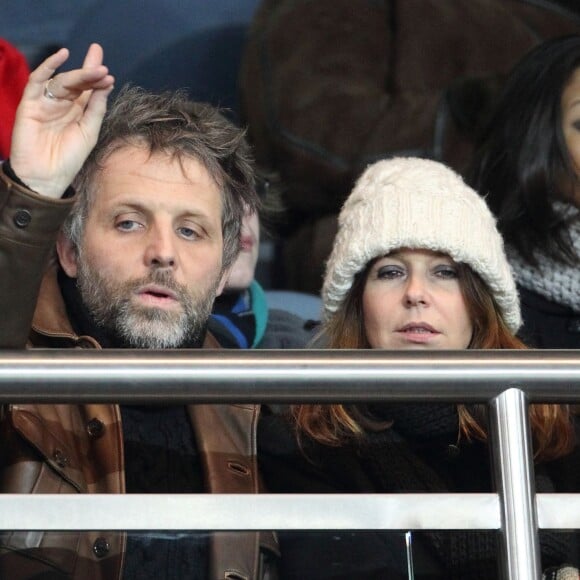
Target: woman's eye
(446, 272)
(389, 272)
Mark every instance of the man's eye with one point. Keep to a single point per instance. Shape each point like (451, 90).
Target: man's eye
(128, 225)
(188, 233)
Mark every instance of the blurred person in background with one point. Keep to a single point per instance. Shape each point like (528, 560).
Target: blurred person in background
(242, 317)
(329, 86)
(527, 167)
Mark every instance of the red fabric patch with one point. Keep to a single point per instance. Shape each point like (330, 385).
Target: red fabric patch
(14, 73)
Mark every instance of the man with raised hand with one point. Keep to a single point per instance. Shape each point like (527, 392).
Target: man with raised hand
(143, 204)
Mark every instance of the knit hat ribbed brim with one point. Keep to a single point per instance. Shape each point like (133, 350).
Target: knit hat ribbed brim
(422, 204)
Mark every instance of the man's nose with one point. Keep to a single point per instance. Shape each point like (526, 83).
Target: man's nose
(160, 251)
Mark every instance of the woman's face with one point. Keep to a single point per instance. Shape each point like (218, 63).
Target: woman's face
(570, 104)
(412, 299)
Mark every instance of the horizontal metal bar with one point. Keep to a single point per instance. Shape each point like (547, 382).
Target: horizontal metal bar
(268, 511)
(558, 511)
(252, 512)
(68, 376)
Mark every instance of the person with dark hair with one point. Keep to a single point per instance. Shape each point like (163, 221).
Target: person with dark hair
(417, 264)
(329, 86)
(527, 167)
(144, 238)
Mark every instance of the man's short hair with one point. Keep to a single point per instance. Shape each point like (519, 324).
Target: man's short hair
(171, 123)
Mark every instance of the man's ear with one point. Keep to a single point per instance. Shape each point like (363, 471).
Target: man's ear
(67, 255)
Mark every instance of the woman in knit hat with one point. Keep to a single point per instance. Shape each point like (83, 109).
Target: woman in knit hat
(417, 264)
(528, 168)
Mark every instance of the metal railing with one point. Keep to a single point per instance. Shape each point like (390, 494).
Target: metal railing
(506, 380)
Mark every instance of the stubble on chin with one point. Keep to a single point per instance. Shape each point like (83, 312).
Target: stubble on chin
(112, 307)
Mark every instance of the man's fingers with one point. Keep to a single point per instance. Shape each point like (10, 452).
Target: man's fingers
(72, 83)
(95, 109)
(51, 63)
(69, 85)
(94, 56)
(43, 72)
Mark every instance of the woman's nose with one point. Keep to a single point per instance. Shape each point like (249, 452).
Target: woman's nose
(415, 291)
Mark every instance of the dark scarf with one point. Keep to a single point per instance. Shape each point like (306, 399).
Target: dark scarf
(421, 453)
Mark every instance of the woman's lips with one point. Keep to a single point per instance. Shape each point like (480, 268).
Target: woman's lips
(419, 332)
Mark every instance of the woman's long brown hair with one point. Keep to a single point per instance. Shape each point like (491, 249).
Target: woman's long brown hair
(552, 430)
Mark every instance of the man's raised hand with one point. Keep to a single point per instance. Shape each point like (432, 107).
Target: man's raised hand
(58, 121)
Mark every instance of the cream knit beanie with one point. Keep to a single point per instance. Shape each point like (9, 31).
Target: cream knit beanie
(418, 203)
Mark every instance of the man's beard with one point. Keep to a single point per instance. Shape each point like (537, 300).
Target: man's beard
(112, 308)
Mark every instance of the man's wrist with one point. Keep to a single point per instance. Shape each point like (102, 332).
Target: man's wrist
(9, 172)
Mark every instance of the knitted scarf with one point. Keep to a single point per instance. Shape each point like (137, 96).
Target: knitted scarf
(413, 456)
(557, 282)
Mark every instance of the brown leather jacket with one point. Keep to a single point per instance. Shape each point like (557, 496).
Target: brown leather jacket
(79, 449)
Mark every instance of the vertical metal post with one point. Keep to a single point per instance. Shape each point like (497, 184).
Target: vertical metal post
(514, 477)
